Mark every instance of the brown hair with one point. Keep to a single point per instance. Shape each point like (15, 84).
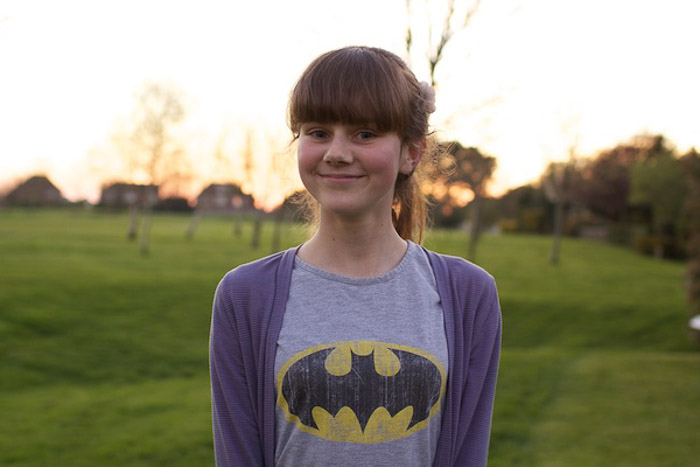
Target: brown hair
(363, 85)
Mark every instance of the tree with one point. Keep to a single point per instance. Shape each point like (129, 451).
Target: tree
(656, 182)
(280, 214)
(223, 167)
(524, 209)
(690, 163)
(155, 151)
(468, 169)
(248, 172)
(606, 184)
(436, 41)
(472, 169)
(606, 188)
(558, 182)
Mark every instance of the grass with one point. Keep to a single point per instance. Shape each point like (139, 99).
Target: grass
(103, 353)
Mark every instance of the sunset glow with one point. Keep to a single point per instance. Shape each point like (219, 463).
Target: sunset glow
(524, 82)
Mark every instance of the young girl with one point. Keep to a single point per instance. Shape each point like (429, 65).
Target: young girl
(359, 347)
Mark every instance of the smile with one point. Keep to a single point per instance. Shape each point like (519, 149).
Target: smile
(340, 177)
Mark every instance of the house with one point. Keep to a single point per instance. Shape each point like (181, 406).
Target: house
(36, 191)
(224, 197)
(124, 195)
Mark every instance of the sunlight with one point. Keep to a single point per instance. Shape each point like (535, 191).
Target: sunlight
(507, 85)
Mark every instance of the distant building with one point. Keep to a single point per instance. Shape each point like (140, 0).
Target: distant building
(224, 197)
(124, 195)
(36, 191)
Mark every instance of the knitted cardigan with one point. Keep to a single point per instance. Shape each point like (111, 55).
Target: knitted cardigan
(249, 305)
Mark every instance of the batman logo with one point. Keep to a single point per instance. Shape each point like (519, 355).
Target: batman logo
(362, 391)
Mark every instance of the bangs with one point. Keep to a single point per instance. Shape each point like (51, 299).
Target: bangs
(352, 86)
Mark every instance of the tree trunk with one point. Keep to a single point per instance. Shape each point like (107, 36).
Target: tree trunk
(257, 228)
(659, 240)
(475, 228)
(237, 224)
(133, 222)
(277, 230)
(144, 247)
(192, 227)
(558, 231)
(659, 250)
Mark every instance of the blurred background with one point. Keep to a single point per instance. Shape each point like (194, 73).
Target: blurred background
(144, 152)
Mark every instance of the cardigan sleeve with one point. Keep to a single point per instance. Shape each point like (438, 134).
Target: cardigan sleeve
(479, 393)
(235, 429)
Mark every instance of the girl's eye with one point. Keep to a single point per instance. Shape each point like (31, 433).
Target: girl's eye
(317, 134)
(365, 135)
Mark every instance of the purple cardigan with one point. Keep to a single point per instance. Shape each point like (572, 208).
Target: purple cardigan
(249, 304)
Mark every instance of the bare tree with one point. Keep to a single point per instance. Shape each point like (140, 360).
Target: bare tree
(558, 183)
(249, 174)
(471, 168)
(237, 218)
(155, 151)
(222, 166)
(282, 166)
(438, 41)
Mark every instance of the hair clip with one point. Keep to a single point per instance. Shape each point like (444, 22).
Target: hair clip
(428, 93)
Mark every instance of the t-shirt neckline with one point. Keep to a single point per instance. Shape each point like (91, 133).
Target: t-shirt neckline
(300, 263)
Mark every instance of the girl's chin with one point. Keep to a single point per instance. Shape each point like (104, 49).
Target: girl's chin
(354, 212)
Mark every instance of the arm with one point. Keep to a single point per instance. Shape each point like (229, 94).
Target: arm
(236, 433)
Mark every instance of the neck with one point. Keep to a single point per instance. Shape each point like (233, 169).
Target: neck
(354, 247)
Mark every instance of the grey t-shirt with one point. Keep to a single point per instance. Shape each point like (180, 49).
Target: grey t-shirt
(361, 368)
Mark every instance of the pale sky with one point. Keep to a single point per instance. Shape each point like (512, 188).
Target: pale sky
(523, 82)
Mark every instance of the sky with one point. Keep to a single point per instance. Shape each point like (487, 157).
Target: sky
(525, 81)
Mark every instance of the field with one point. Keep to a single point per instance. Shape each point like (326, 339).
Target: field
(103, 353)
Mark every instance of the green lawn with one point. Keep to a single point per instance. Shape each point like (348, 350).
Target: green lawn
(103, 353)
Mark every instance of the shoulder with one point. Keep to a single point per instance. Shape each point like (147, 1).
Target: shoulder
(251, 271)
(455, 269)
(469, 294)
(463, 285)
(258, 275)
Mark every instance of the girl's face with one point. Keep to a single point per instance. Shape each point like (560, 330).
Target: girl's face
(351, 169)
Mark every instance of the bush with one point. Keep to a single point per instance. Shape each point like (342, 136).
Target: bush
(652, 245)
(509, 225)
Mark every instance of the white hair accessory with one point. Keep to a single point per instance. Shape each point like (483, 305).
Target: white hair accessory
(428, 93)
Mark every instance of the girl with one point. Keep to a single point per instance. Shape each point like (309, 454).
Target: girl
(358, 347)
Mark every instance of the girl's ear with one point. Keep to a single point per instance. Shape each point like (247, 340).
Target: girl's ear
(410, 156)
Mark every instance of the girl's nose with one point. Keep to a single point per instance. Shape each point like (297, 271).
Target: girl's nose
(339, 151)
